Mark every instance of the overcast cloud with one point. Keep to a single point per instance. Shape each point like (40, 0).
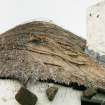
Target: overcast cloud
(70, 14)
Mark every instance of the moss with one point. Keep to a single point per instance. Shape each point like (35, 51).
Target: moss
(85, 101)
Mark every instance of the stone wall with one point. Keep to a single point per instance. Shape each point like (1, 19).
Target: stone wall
(96, 56)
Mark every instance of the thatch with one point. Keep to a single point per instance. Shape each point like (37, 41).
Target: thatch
(44, 51)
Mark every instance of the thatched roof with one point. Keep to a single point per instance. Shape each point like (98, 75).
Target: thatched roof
(44, 51)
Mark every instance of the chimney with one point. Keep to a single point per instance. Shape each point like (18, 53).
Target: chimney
(96, 32)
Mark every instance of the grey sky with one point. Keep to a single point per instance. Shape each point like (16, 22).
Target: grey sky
(70, 14)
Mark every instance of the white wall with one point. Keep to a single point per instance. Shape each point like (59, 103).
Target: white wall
(96, 28)
(65, 96)
(70, 14)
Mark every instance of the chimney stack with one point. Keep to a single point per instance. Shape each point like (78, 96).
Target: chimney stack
(96, 32)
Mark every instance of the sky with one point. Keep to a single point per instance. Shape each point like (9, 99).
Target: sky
(69, 14)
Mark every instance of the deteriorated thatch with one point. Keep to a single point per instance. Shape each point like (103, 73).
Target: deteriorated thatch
(44, 51)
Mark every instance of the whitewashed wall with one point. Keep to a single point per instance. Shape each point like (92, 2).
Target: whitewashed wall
(65, 96)
(96, 28)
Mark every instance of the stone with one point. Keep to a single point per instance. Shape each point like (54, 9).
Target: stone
(89, 92)
(25, 97)
(92, 54)
(51, 93)
(96, 56)
(98, 99)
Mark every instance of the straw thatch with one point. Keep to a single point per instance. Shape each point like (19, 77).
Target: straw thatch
(44, 51)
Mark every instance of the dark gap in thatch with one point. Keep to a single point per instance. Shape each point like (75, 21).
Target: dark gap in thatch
(71, 85)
